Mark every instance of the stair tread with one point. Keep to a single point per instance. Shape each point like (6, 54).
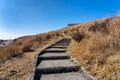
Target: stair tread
(55, 49)
(53, 54)
(63, 76)
(58, 46)
(55, 63)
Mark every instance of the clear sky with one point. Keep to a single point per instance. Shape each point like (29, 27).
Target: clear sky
(29, 17)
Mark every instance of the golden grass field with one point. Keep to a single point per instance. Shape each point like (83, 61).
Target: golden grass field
(98, 48)
(96, 44)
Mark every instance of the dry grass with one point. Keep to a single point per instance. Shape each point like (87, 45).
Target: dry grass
(96, 44)
(25, 44)
(19, 68)
(99, 52)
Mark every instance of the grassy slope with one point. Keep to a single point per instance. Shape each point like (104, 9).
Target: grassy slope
(96, 46)
(24, 44)
(19, 68)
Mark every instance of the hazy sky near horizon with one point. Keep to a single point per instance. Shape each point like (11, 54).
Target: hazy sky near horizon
(29, 17)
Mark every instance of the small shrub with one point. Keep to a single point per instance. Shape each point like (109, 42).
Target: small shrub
(65, 32)
(57, 34)
(48, 37)
(78, 36)
(26, 48)
(16, 55)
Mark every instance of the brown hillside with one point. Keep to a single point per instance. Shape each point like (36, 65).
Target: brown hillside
(95, 44)
(97, 47)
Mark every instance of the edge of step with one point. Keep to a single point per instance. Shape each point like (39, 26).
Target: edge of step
(53, 57)
(57, 70)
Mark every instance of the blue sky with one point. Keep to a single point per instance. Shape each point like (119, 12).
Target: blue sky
(29, 17)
